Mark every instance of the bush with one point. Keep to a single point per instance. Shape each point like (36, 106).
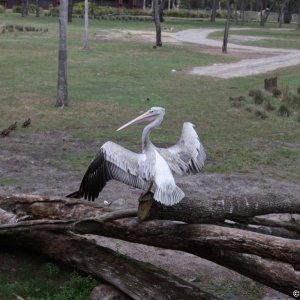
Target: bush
(260, 113)
(276, 92)
(283, 111)
(2, 9)
(17, 9)
(258, 96)
(32, 9)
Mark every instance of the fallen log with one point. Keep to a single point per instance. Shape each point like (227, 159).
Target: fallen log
(207, 241)
(224, 247)
(191, 237)
(137, 279)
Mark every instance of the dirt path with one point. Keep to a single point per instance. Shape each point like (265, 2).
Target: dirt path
(275, 59)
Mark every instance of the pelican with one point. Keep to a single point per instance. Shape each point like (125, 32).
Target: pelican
(154, 166)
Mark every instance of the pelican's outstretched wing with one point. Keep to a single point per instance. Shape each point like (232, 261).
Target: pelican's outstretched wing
(113, 162)
(188, 155)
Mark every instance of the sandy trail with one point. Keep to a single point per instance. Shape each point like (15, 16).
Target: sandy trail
(279, 58)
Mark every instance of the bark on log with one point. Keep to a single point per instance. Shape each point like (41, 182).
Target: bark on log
(235, 208)
(191, 237)
(137, 279)
(271, 272)
(240, 208)
(277, 253)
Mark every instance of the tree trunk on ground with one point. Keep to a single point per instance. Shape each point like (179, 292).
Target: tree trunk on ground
(157, 22)
(271, 260)
(62, 82)
(137, 279)
(37, 9)
(226, 31)
(86, 26)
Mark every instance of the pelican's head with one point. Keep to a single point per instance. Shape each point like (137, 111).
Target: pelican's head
(154, 113)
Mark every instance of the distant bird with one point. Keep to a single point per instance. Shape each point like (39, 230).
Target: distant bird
(152, 166)
(26, 123)
(5, 132)
(13, 126)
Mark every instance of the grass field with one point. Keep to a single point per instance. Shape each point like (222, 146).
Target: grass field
(111, 83)
(118, 78)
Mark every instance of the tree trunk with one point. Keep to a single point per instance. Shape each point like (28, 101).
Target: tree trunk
(23, 8)
(137, 279)
(157, 22)
(161, 10)
(70, 10)
(37, 9)
(243, 11)
(298, 24)
(213, 11)
(226, 32)
(86, 23)
(62, 82)
(27, 7)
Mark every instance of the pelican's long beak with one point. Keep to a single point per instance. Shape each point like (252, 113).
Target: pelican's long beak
(144, 118)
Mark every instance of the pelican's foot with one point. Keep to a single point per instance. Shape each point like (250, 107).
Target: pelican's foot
(145, 203)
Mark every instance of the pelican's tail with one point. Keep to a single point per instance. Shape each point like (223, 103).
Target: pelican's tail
(168, 198)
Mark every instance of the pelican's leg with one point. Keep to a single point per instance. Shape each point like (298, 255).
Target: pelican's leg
(144, 193)
(145, 203)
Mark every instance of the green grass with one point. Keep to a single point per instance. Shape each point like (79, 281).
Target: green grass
(110, 84)
(34, 277)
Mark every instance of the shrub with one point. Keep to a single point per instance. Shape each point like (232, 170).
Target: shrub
(283, 111)
(17, 9)
(2, 9)
(298, 90)
(268, 105)
(260, 113)
(276, 92)
(258, 96)
(237, 101)
(32, 9)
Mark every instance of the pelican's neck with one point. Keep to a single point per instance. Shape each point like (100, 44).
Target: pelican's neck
(147, 130)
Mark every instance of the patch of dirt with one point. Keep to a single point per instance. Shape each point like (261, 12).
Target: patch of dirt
(40, 165)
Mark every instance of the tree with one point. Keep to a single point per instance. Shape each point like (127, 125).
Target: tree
(23, 8)
(208, 224)
(37, 9)
(70, 11)
(86, 23)
(213, 11)
(62, 82)
(27, 7)
(226, 31)
(156, 11)
(298, 24)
